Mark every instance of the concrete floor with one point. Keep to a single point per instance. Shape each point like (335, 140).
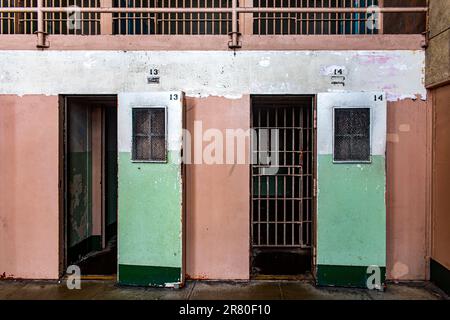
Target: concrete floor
(205, 290)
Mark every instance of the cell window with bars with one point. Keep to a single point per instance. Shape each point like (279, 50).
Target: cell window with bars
(149, 134)
(351, 135)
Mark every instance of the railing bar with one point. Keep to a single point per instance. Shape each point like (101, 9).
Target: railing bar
(258, 15)
(209, 10)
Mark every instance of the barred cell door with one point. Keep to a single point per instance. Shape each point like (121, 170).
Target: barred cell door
(282, 185)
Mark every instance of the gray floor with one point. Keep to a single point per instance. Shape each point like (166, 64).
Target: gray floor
(198, 290)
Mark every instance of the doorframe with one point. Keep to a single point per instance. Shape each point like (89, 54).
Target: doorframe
(62, 171)
(314, 178)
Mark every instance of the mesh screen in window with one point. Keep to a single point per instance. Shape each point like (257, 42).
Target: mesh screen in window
(352, 134)
(149, 134)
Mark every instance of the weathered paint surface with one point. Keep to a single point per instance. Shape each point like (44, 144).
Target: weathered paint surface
(79, 162)
(440, 224)
(29, 187)
(219, 73)
(351, 213)
(351, 208)
(150, 200)
(218, 212)
(406, 174)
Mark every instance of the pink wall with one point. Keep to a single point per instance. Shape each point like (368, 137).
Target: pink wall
(218, 199)
(29, 186)
(440, 221)
(407, 190)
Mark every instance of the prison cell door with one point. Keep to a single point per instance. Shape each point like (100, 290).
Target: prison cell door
(150, 188)
(351, 178)
(282, 206)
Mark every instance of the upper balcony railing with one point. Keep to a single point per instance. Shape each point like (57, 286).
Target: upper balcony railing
(208, 17)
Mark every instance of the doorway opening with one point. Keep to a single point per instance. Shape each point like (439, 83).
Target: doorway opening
(90, 183)
(282, 203)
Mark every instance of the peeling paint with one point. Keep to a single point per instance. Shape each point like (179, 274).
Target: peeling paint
(220, 73)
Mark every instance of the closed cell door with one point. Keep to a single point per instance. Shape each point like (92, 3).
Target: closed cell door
(150, 175)
(282, 190)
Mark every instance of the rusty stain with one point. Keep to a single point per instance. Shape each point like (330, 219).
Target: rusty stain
(3, 276)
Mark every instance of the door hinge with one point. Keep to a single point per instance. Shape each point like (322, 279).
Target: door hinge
(315, 119)
(314, 187)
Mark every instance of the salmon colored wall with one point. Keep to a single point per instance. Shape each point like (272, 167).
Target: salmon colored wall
(217, 209)
(440, 233)
(29, 187)
(406, 189)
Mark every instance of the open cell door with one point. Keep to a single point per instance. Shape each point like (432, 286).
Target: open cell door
(351, 185)
(150, 192)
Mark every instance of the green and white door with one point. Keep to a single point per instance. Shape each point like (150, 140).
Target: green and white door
(150, 189)
(351, 186)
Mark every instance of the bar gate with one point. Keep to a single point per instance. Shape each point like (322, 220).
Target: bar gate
(282, 199)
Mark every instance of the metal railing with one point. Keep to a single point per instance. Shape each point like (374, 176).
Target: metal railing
(192, 17)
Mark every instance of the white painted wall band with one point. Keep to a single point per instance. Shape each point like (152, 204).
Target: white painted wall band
(399, 73)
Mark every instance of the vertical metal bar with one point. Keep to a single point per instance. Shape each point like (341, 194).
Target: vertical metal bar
(259, 18)
(234, 25)
(276, 188)
(301, 148)
(293, 174)
(284, 177)
(267, 186)
(381, 17)
(40, 25)
(309, 172)
(259, 176)
(3, 16)
(336, 17)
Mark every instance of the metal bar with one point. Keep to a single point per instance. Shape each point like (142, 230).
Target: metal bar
(267, 189)
(234, 24)
(259, 182)
(284, 178)
(215, 10)
(276, 192)
(40, 25)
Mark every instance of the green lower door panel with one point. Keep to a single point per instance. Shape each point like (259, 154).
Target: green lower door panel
(149, 276)
(348, 276)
